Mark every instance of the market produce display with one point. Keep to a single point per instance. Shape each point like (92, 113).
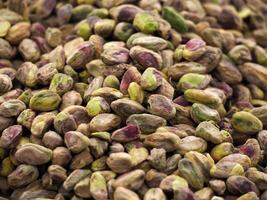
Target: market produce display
(133, 99)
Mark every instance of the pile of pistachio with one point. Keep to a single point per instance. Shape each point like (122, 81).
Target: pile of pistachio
(133, 99)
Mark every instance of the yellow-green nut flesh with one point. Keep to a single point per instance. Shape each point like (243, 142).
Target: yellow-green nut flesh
(145, 22)
(45, 100)
(245, 122)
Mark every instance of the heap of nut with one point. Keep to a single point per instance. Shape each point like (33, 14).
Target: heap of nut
(133, 99)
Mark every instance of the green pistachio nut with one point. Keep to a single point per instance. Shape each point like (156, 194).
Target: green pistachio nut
(104, 27)
(45, 100)
(123, 31)
(131, 180)
(80, 12)
(166, 140)
(175, 19)
(6, 167)
(240, 54)
(18, 32)
(61, 83)
(111, 81)
(136, 92)
(202, 96)
(98, 186)
(22, 176)
(200, 112)
(151, 79)
(193, 81)
(5, 26)
(53, 37)
(145, 22)
(81, 188)
(104, 122)
(192, 143)
(75, 177)
(245, 122)
(27, 74)
(221, 150)
(150, 42)
(172, 183)
(76, 141)
(41, 123)
(188, 171)
(12, 108)
(209, 132)
(26, 118)
(97, 105)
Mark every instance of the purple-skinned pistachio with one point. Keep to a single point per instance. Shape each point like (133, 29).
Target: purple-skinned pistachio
(81, 55)
(27, 74)
(74, 177)
(64, 13)
(76, 141)
(29, 50)
(252, 149)
(161, 106)
(125, 12)
(5, 83)
(240, 185)
(61, 156)
(52, 140)
(145, 58)
(125, 108)
(131, 75)
(147, 123)
(43, 8)
(10, 136)
(46, 73)
(33, 154)
(23, 175)
(37, 29)
(194, 48)
(115, 55)
(108, 93)
(11, 108)
(151, 79)
(81, 160)
(126, 134)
